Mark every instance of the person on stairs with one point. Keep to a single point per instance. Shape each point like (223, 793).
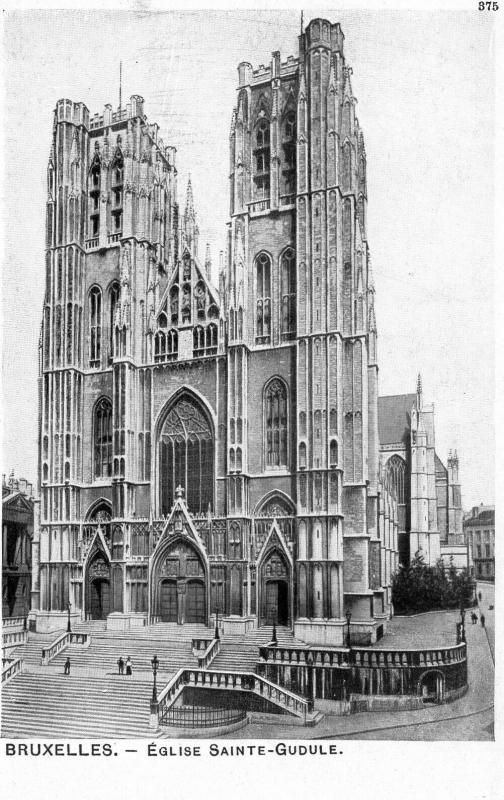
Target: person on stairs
(67, 667)
(128, 666)
(120, 664)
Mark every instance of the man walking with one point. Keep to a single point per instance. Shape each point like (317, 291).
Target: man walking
(120, 664)
(67, 667)
(482, 620)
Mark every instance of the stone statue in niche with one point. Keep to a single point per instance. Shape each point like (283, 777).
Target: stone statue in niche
(186, 274)
(199, 294)
(186, 303)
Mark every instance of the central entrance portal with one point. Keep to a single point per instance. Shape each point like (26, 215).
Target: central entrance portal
(179, 586)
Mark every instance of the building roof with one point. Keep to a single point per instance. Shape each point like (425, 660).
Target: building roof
(486, 517)
(441, 471)
(394, 417)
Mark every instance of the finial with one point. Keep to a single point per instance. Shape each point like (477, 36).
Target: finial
(419, 384)
(301, 21)
(120, 84)
(179, 492)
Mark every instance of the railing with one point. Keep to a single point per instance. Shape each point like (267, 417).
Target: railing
(305, 656)
(92, 243)
(10, 670)
(287, 199)
(200, 644)
(201, 716)
(14, 622)
(13, 638)
(114, 237)
(206, 658)
(228, 681)
(436, 656)
(362, 657)
(258, 206)
(63, 640)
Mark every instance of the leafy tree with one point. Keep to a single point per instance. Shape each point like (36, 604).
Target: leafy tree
(417, 587)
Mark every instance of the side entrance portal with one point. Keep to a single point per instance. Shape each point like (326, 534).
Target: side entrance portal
(98, 588)
(179, 586)
(275, 589)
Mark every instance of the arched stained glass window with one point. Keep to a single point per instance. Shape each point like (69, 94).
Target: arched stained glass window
(396, 468)
(288, 288)
(263, 301)
(103, 438)
(114, 293)
(186, 456)
(262, 160)
(275, 419)
(95, 322)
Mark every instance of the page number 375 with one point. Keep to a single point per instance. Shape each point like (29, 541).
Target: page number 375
(488, 6)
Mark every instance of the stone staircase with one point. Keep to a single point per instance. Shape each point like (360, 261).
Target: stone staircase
(242, 652)
(172, 647)
(41, 705)
(31, 651)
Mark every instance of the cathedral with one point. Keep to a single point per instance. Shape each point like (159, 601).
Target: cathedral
(214, 451)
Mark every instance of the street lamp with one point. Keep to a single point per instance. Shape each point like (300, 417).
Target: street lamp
(462, 622)
(69, 624)
(216, 634)
(348, 615)
(155, 667)
(274, 639)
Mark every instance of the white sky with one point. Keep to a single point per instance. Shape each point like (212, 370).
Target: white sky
(425, 85)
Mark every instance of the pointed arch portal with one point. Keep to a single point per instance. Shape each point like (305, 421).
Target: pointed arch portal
(179, 585)
(275, 588)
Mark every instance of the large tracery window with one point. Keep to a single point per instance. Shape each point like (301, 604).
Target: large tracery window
(103, 438)
(397, 472)
(263, 302)
(275, 421)
(289, 153)
(288, 272)
(186, 456)
(95, 322)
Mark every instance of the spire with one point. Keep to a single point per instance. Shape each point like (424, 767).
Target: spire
(419, 392)
(189, 208)
(208, 262)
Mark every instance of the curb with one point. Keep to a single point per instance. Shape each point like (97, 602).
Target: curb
(407, 724)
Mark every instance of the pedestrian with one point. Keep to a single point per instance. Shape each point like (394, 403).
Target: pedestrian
(480, 596)
(120, 664)
(474, 618)
(128, 666)
(67, 667)
(482, 620)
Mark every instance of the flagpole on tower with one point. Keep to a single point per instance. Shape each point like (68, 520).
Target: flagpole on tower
(120, 84)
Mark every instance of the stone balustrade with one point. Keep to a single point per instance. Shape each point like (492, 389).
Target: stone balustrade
(222, 680)
(61, 642)
(212, 650)
(13, 638)
(11, 668)
(14, 622)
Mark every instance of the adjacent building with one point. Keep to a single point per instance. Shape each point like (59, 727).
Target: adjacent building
(17, 533)
(211, 450)
(429, 500)
(479, 532)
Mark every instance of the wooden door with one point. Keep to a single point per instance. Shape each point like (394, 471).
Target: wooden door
(168, 605)
(195, 602)
(271, 602)
(99, 600)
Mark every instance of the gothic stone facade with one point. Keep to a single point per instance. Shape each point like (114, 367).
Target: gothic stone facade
(207, 450)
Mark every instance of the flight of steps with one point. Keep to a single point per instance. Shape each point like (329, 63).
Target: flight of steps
(40, 705)
(241, 653)
(31, 651)
(172, 648)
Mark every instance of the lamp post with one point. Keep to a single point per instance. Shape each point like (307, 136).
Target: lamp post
(274, 639)
(348, 615)
(462, 622)
(216, 634)
(69, 624)
(155, 667)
